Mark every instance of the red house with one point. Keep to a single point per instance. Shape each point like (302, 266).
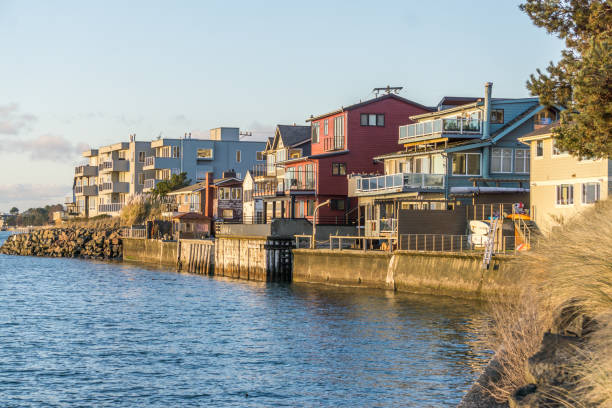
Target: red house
(342, 142)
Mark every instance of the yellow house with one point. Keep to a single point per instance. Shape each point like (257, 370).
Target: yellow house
(561, 185)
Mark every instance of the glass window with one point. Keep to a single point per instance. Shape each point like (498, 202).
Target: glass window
(466, 164)
(521, 161)
(310, 208)
(315, 132)
(325, 126)
(364, 119)
(539, 148)
(141, 178)
(141, 157)
(176, 151)
(337, 204)
(565, 194)
(238, 156)
(590, 193)
(380, 120)
(501, 160)
(437, 164)
(497, 116)
(372, 119)
(228, 213)
(338, 169)
(205, 154)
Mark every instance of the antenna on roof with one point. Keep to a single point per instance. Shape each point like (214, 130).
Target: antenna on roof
(388, 90)
(245, 134)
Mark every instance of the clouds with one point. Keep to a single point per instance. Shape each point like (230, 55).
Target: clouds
(46, 147)
(31, 195)
(12, 121)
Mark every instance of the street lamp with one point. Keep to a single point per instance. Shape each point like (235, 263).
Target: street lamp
(314, 222)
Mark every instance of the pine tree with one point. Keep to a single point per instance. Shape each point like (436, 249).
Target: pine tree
(582, 79)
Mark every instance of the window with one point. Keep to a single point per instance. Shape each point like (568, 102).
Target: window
(122, 154)
(501, 160)
(521, 161)
(238, 156)
(590, 193)
(236, 193)
(260, 156)
(497, 116)
(300, 209)
(337, 204)
(555, 150)
(92, 203)
(421, 164)
(310, 179)
(310, 208)
(339, 132)
(565, 194)
(539, 148)
(176, 152)
(224, 193)
(141, 157)
(228, 213)
(315, 132)
(543, 118)
(325, 127)
(141, 178)
(466, 164)
(205, 154)
(338, 169)
(372, 119)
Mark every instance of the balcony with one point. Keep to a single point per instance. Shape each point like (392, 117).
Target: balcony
(455, 128)
(150, 184)
(158, 163)
(114, 187)
(333, 143)
(114, 165)
(110, 208)
(399, 182)
(189, 207)
(86, 171)
(262, 171)
(291, 184)
(86, 190)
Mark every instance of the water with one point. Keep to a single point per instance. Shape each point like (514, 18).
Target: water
(80, 333)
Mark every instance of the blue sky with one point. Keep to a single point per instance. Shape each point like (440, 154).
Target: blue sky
(79, 73)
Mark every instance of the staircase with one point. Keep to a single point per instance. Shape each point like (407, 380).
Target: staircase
(490, 246)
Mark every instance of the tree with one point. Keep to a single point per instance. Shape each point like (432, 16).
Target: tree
(175, 182)
(14, 211)
(582, 80)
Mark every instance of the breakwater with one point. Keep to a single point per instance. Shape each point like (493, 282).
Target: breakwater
(87, 243)
(437, 273)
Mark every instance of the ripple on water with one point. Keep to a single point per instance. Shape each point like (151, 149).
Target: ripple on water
(78, 333)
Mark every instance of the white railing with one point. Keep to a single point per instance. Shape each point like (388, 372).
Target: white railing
(400, 181)
(430, 127)
(114, 207)
(150, 183)
(149, 161)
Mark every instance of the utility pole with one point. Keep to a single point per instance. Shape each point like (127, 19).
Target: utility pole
(314, 223)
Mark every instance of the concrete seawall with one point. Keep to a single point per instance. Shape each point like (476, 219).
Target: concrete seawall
(150, 251)
(436, 273)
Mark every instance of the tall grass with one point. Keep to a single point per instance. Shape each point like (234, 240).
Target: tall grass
(567, 280)
(140, 209)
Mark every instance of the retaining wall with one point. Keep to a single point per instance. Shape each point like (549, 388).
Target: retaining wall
(451, 274)
(150, 251)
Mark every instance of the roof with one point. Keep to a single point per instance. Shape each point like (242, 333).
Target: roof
(457, 100)
(369, 101)
(293, 134)
(191, 216)
(189, 189)
(540, 133)
(517, 118)
(224, 180)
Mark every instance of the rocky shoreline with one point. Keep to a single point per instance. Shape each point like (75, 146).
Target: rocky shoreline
(72, 242)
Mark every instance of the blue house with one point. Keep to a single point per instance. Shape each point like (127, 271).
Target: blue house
(465, 152)
(223, 151)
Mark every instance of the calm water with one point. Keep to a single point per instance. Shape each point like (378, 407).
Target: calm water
(80, 333)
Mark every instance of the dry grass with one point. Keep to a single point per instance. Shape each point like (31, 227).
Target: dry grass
(571, 270)
(140, 209)
(98, 222)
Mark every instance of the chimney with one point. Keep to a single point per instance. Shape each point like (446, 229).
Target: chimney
(487, 110)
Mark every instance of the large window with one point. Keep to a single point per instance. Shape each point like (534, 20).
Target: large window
(205, 154)
(236, 193)
(224, 193)
(466, 164)
(338, 169)
(315, 132)
(337, 204)
(325, 126)
(521, 161)
(228, 213)
(501, 160)
(421, 164)
(310, 208)
(565, 194)
(176, 152)
(590, 193)
(141, 178)
(238, 156)
(372, 119)
(339, 132)
(141, 157)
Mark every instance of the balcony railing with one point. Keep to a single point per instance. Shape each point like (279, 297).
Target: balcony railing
(86, 190)
(86, 171)
(432, 127)
(150, 184)
(149, 161)
(114, 207)
(114, 187)
(333, 143)
(286, 185)
(189, 207)
(400, 182)
(114, 165)
(264, 170)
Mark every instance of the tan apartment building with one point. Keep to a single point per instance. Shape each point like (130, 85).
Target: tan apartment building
(562, 185)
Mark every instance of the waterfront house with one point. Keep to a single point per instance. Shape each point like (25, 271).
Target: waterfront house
(460, 154)
(562, 185)
(198, 157)
(341, 142)
(272, 185)
(252, 205)
(227, 201)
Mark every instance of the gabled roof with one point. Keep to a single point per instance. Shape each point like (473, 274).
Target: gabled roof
(457, 100)
(369, 101)
(225, 180)
(517, 119)
(293, 134)
(191, 216)
(189, 189)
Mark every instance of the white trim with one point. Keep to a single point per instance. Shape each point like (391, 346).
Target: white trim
(570, 181)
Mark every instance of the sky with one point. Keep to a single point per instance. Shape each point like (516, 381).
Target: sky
(79, 74)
